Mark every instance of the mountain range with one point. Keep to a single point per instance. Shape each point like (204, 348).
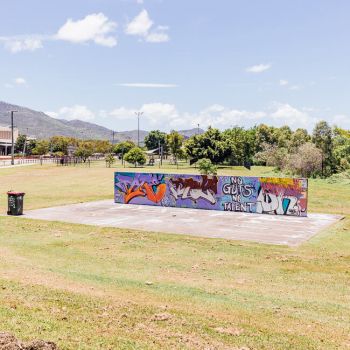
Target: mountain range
(40, 125)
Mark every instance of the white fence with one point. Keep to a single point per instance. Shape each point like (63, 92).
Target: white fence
(26, 161)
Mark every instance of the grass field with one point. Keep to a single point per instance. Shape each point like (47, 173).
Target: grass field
(86, 287)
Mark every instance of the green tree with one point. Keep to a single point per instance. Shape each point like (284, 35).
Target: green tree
(282, 136)
(109, 159)
(19, 145)
(298, 138)
(84, 150)
(102, 146)
(154, 138)
(208, 145)
(22, 143)
(306, 161)
(272, 155)
(30, 146)
(123, 147)
(41, 147)
(136, 156)
(264, 134)
(175, 141)
(322, 137)
(59, 144)
(341, 144)
(206, 167)
(240, 145)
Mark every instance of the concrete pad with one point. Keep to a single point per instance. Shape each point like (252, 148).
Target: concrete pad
(274, 229)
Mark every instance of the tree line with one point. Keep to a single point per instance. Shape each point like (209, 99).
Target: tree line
(58, 146)
(323, 152)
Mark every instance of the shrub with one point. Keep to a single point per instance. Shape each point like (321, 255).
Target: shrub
(272, 155)
(206, 167)
(110, 159)
(135, 156)
(307, 161)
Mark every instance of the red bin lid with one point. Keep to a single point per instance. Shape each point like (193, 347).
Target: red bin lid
(14, 193)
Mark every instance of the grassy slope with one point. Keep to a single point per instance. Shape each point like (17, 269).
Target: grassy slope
(85, 287)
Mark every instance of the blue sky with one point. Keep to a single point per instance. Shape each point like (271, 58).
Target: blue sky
(182, 63)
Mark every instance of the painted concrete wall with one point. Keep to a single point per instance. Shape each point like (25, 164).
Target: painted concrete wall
(268, 195)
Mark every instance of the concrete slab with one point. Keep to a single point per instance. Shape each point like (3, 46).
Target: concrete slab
(285, 230)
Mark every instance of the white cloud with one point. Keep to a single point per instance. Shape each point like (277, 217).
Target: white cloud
(157, 37)
(19, 44)
(287, 84)
(141, 26)
(148, 85)
(166, 116)
(52, 114)
(71, 113)
(20, 81)
(158, 112)
(16, 81)
(295, 87)
(342, 121)
(95, 27)
(258, 68)
(122, 113)
(285, 114)
(283, 82)
(155, 113)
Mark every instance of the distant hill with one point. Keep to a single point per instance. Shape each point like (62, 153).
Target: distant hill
(191, 132)
(40, 125)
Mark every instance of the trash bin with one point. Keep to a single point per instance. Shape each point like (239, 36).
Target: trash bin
(15, 203)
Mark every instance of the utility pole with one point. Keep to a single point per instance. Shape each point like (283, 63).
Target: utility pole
(24, 147)
(25, 144)
(12, 140)
(198, 129)
(138, 127)
(113, 132)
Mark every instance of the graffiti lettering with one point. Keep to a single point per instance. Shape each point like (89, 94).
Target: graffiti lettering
(271, 203)
(154, 190)
(277, 196)
(206, 189)
(237, 188)
(237, 206)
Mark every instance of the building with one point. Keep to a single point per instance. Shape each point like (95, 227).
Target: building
(6, 140)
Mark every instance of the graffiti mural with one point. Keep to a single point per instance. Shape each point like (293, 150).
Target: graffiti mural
(136, 186)
(194, 188)
(263, 195)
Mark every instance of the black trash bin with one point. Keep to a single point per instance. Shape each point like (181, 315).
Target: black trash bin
(15, 203)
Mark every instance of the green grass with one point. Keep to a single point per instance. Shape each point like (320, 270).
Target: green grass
(87, 287)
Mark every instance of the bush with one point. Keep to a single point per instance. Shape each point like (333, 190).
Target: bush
(123, 147)
(136, 156)
(307, 161)
(206, 167)
(272, 155)
(340, 178)
(110, 159)
(84, 151)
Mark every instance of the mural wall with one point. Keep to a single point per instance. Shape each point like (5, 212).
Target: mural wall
(263, 195)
